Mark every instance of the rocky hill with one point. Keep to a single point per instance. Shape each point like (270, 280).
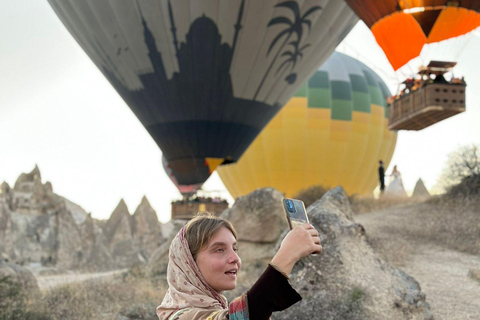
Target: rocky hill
(39, 226)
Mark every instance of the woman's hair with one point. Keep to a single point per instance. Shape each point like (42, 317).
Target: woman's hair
(202, 228)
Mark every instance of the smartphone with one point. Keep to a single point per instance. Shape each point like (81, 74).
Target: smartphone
(295, 212)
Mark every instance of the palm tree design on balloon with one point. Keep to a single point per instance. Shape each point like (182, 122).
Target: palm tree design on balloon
(293, 57)
(294, 27)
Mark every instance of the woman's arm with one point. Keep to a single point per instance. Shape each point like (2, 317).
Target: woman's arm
(272, 292)
(300, 242)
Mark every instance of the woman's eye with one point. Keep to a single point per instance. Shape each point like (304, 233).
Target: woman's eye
(235, 249)
(220, 250)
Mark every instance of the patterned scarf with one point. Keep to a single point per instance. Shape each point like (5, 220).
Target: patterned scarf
(187, 287)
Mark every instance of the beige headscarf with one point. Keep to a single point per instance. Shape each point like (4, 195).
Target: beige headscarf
(187, 287)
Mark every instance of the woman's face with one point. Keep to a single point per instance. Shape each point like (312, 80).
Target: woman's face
(218, 261)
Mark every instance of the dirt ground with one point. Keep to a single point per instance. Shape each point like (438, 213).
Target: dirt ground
(52, 281)
(442, 273)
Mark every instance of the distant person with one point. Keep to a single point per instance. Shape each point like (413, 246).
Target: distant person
(409, 85)
(203, 262)
(395, 188)
(440, 79)
(381, 176)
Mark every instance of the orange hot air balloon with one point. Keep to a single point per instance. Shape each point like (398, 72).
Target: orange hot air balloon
(403, 28)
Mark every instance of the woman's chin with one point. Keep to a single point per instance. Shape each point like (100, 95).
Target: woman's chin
(227, 287)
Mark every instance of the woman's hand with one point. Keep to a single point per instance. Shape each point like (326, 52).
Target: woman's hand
(299, 242)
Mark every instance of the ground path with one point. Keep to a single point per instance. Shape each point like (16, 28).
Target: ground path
(52, 281)
(442, 273)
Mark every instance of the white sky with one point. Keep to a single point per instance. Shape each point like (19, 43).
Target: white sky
(58, 111)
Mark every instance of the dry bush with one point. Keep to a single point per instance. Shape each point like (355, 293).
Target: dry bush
(453, 223)
(462, 164)
(15, 302)
(311, 194)
(103, 299)
(468, 188)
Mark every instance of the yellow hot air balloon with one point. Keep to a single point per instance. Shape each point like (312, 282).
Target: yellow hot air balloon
(332, 132)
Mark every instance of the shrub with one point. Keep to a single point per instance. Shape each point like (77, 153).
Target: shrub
(469, 187)
(140, 311)
(127, 298)
(461, 175)
(311, 194)
(14, 303)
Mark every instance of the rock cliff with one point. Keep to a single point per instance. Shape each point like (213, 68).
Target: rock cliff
(39, 226)
(133, 238)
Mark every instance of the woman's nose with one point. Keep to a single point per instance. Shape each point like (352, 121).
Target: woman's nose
(234, 258)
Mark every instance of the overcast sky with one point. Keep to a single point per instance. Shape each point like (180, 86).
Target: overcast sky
(58, 111)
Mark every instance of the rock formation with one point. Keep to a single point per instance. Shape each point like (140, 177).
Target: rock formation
(133, 238)
(420, 191)
(97, 254)
(250, 215)
(347, 281)
(348, 278)
(38, 226)
(147, 229)
(119, 236)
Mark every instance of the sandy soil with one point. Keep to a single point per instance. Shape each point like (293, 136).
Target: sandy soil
(442, 273)
(49, 282)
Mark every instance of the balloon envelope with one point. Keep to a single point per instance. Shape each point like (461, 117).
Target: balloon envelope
(205, 76)
(332, 132)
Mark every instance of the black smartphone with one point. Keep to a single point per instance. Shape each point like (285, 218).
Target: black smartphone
(295, 212)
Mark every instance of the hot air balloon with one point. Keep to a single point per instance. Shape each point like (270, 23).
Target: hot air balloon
(416, 33)
(332, 132)
(403, 28)
(204, 77)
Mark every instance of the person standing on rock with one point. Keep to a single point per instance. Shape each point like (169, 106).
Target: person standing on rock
(203, 262)
(381, 176)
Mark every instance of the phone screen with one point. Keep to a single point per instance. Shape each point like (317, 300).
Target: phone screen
(295, 211)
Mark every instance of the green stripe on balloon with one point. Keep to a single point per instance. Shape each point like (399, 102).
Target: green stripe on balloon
(370, 78)
(341, 110)
(361, 102)
(319, 98)
(358, 83)
(319, 80)
(377, 97)
(341, 90)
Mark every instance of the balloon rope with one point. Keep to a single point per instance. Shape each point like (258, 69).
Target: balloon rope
(465, 43)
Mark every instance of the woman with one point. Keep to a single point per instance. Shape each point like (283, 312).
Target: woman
(395, 189)
(203, 262)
